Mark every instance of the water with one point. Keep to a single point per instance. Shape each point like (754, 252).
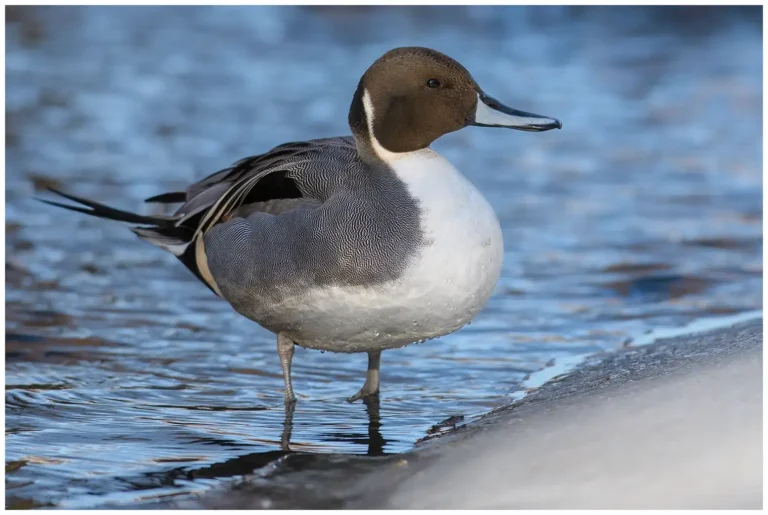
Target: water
(127, 380)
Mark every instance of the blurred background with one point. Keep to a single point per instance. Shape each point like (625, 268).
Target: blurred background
(127, 380)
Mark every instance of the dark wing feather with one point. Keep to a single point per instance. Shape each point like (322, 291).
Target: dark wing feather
(256, 179)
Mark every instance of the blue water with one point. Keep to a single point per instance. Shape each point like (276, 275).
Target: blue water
(124, 375)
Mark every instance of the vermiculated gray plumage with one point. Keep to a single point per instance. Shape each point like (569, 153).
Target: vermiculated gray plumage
(355, 225)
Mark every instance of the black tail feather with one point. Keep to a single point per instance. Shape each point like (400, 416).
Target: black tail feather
(173, 197)
(67, 206)
(103, 211)
(160, 231)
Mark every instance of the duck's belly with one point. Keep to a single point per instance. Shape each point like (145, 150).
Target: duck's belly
(433, 301)
(446, 284)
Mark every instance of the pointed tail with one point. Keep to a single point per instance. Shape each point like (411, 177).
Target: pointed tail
(102, 211)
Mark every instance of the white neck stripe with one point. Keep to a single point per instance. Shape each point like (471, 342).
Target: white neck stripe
(382, 153)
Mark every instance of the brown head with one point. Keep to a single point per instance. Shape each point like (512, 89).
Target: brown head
(411, 96)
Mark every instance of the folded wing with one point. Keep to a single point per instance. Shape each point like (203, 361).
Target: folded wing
(283, 179)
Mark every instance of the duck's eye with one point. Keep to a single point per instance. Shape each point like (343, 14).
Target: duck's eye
(433, 83)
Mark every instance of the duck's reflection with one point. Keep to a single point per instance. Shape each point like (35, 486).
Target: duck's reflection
(285, 437)
(297, 460)
(375, 441)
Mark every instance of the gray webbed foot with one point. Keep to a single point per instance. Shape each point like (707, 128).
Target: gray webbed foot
(371, 386)
(364, 393)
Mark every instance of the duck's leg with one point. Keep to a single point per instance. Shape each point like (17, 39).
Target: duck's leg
(371, 386)
(285, 351)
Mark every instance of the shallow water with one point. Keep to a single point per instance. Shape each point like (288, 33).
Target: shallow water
(127, 380)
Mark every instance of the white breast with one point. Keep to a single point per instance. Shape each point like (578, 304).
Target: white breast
(445, 285)
(458, 269)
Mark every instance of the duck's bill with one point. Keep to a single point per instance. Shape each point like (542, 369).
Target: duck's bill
(492, 113)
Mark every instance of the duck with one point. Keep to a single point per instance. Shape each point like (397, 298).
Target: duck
(352, 244)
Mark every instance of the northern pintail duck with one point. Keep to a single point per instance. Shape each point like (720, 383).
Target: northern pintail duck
(350, 244)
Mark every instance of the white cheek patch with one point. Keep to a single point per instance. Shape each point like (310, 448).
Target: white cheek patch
(487, 116)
